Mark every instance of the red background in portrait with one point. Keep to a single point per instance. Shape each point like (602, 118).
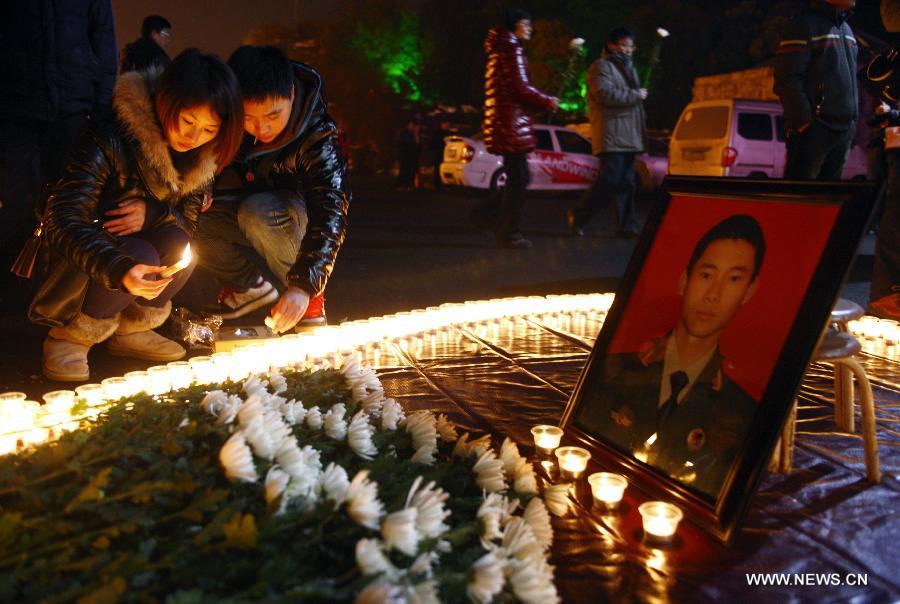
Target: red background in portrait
(795, 233)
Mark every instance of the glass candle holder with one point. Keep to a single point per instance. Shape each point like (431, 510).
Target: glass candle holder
(180, 374)
(660, 520)
(115, 388)
(572, 461)
(158, 380)
(91, 394)
(137, 381)
(203, 369)
(546, 438)
(607, 489)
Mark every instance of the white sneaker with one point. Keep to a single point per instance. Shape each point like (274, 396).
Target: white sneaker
(232, 304)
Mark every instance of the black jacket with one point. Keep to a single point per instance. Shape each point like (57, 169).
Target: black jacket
(815, 69)
(142, 54)
(57, 57)
(114, 160)
(305, 159)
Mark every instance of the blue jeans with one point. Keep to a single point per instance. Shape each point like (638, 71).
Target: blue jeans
(240, 236)
(615, 184)
(160, 247)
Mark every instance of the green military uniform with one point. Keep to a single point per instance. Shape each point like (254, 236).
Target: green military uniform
(698, 440)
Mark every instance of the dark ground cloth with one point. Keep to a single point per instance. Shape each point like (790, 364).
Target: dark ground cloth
(822, 518)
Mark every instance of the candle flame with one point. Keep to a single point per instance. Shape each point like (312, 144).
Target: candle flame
(186, 257)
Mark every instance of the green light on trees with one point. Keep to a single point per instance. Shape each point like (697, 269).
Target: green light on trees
(398, 51)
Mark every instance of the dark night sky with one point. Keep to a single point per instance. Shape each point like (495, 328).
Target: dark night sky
(214, 25)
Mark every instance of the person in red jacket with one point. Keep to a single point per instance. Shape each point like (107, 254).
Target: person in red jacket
(509, 97)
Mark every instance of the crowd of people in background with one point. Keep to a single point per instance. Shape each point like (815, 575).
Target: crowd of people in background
(112, 163)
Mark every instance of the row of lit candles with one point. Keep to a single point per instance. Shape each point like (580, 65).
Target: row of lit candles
(660, 518)
(28, 422)
(877, 336)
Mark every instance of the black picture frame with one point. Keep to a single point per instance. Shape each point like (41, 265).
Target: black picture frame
(722, 514)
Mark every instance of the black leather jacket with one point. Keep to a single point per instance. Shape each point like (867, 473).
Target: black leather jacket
(305, 159)
(114, 160)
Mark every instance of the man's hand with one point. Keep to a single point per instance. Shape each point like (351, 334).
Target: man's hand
(289, 309)
(131, 213)
(136, 283)
(644, 93)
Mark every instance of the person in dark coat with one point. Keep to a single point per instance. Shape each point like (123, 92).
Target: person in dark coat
(615, 102)
(509, 97)
(57, 66)
(150, 49)
(672, 403)
(126, 206)
(815, 78)
(280, 208)
(409, 148)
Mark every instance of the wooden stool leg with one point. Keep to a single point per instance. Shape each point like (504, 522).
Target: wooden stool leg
(843, 399)
(867, 406)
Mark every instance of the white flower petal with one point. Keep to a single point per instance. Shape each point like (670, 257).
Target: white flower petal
(486, 579)
(371, 559)
(276, 484)
(391, 414)
(399, 531)
(446, 429)
(314, 418)
(237, 459)
(532, 581)
(362, 500)
(334, 483)
(489, 472)
(538, 519)
(359, 436)
(557, 499)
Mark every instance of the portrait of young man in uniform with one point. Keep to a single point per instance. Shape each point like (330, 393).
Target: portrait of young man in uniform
(674, 403)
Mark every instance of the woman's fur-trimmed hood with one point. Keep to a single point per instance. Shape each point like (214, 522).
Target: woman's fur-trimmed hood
(134, 107)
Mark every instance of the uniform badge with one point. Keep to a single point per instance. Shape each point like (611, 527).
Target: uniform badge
(623, 418)
(696, 439)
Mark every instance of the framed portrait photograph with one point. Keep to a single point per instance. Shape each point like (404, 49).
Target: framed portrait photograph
(721, 307)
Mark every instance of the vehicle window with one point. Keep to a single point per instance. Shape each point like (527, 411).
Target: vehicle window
(544, 143)
(703, 122)
(755, 126)
(779, 129)
(571, 142)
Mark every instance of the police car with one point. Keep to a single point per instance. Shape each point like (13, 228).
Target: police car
(562, 160)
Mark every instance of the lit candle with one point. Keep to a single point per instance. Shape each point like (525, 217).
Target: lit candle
(203, 369)
(546, 438)
(57, 410)
(607, 488)
(180, 374)
(158, 380)
(660, 520)
(181, 264)
(115, 388)
(572, 461)
(91, 394)
(137, 382)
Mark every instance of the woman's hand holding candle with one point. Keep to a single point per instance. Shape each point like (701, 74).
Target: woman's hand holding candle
(136, 282)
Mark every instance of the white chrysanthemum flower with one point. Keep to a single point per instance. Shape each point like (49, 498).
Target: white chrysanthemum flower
(362, 500)
(480, 445)
(237, 459)
(443, 546)
(532, 581)
(461, 448)
(358, 391)
(524, 479)
(277, 382)
(538, 519)
(314, 418)
(223, 406)
(335, 426)
(381, 592)
(276, 484)
(359, 436)
(303, 465)
(275, 426)
(372, 403)
(519, 540)
(422, 426)
(446, 429)
(391, 414)
(491, 514)
(422, 565)
(486, 578)
(424, 593)
(399, 531)
(252, 409)
(509, 453)
(430, 503)
(334, 483)
(351, 369)
(254, 384)
(293, 412)
(557, 499)
(259, 438)
(371, 560)
(489, 472)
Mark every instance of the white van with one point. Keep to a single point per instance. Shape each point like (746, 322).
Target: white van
(734, 137)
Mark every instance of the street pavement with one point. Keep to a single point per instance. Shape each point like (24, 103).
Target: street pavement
(412, 250)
